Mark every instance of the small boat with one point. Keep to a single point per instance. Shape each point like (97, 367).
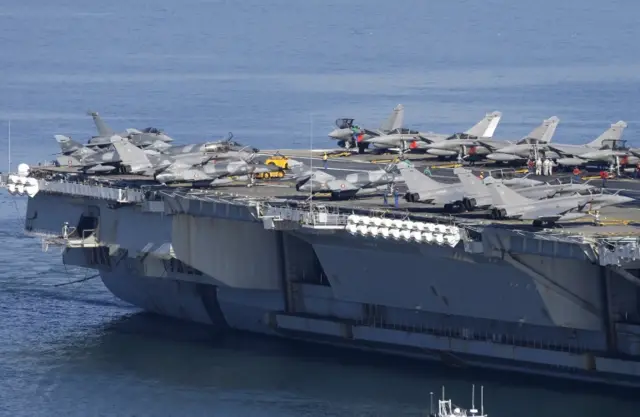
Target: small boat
(447, 409)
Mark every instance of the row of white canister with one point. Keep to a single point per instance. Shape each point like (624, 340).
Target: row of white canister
(21, 185)
(403, 229)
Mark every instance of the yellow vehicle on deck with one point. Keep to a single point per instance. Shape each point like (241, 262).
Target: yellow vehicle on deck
(278, 160)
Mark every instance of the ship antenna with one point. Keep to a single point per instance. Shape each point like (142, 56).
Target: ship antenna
(431, 404)
(311, 162)
(482, 400)
(9, 150)
(473, 400)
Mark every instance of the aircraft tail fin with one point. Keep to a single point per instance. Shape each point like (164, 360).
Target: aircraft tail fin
(395, 120)
(131, 155)
(103, 129)
(487, 126)
(544, 132)
(503, 195)
(614, 133)
(471, 184)
(69, 146)
(416, 181)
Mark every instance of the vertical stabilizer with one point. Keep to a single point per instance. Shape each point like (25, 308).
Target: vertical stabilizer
(505, 196)
(103, 129)
(486, 127)
(471, 184)
(131, 155)
(69, 146)
(416, 181)
(614, 133)
(395, 120)
(544, 132)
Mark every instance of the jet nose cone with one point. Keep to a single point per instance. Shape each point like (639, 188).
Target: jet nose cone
(335, 134)
(621, 199)
(164, 178)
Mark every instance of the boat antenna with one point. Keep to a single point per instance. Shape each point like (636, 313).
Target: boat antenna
(430, 404)
(482, 399)
(473, 400)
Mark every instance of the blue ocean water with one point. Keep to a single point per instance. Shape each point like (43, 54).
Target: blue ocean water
(276, 74)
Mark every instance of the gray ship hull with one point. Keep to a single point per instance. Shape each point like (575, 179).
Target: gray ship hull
(500, 299)
(253, 311)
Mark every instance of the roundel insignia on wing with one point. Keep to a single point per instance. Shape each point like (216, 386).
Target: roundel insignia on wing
(342, 185)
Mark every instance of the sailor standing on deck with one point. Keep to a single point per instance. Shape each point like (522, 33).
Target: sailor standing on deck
(325, 158)
(549, 166)
(538, 166)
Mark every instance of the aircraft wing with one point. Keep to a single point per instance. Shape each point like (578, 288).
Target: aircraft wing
(371, 132)
(549, 214)
(557, 150)
(491, 148)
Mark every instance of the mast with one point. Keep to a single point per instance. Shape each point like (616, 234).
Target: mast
(482, 400)
(9, 150)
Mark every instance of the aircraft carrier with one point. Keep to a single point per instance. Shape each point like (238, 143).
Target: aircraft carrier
(468, 291)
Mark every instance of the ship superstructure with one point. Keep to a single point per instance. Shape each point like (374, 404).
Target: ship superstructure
(472, 292)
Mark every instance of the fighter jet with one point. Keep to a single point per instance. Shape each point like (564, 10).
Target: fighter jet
(76, 155)
(507, 151)
(213, 171)
(442, 145)
(605, 148)
(477, 193)
(105, 133)
(508, 204)
(424, 189)
(353, 184)
(228, 146)
(350, 135)
(138, 161)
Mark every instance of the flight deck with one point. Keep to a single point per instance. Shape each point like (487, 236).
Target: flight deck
(620, 220)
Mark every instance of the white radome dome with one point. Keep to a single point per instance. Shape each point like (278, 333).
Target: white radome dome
(23, 169)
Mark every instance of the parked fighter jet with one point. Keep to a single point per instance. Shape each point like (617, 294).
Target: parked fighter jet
(213, 171)
(510, 204)
(424, 189)
(506, 151)
(605, 148)
(444, 145)
(105, 133)
(226, 145)
(141, 162)
(477, 193)
(350, 135)
(76, 155)
(319, 181)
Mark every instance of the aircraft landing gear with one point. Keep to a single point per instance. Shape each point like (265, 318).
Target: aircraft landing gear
(498, 214)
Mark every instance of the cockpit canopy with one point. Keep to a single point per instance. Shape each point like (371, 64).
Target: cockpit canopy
(152, 130)
(530, 141)
(344, 123)
(461, 136)
(615, 144)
